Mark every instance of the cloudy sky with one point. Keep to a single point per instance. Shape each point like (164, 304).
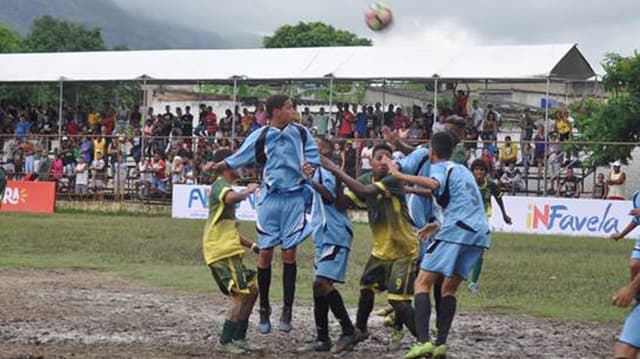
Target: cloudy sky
(597, 26)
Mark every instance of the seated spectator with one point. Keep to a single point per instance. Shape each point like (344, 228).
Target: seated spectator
(470, 133)
(416, 132)
(403, 131)
(512, 179)
(569, 185)
(508, 153)
(615, 182)
(177, 170)
(600, 187)
(440, 125)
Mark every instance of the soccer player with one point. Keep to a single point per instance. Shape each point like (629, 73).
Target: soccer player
(223, 252)
(282, 149)
(456, 246)
(332, 236)
(488, 188)
(391, 266)
(628, 345)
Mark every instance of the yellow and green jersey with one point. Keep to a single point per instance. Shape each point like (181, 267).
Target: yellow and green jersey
(489, 188)
(221, 238)
(393, 232)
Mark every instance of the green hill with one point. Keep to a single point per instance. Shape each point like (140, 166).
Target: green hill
(119, 27)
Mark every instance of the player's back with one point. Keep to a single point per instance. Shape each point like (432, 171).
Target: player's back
(330, 225)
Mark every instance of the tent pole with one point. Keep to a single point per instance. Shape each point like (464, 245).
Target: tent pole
(486, 92)
(331, 101)
(233, 122)
(546, 136)
(384, 97)
(435, 99)
(60, 111)
(144, 117)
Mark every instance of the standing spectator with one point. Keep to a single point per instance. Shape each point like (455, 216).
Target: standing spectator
(135, 119)
(388, 116)
(187, 122)
(439, 125)
(247, 120)
(22, 128)
(416, 132)
(29, 151)
(122, 119)
(44, 167)
(360, 124)
(94, 120)
(176, 123)
(226, 123)
(68, 156)
(563, 127)
(371, 120)
(160, 172)
(526, 128)
(477, 115)
(72, 128)
(321, 122)
(349, 159)
(99, 145)
(211, 122)
(490, 127)
(365, 158)
(399, 120)
(460, 101)
(498, 116)
(82, 177)
(569, 185)
(346, 124)
(616, 181)
(261, 115)
(57, 167)
(600, 187)
(338, 155)
(306, 119)
(121, 172)
(539, 148)
(98, 169)
(378, 117)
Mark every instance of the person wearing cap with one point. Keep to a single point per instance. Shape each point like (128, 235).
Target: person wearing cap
(616, 181)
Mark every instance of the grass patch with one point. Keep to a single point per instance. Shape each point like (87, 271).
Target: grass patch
(548, 276)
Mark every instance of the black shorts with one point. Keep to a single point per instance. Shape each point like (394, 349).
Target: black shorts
(394, 276)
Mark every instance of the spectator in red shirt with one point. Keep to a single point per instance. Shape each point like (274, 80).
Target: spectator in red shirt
(400, 121)
(460, 101)
(72, 128)
(160, 172)
(346, 126)
(211, 122)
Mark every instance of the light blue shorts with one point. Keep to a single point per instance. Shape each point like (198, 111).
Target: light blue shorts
(635, 253)
(449, 258)
(631, 330)
(281, 220)
(331, 262)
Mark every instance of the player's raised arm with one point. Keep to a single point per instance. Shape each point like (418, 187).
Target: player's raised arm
(426, 182)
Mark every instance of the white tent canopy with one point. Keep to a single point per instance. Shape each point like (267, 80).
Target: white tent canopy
(504, 63)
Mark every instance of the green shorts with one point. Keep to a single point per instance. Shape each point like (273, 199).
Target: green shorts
(396, 277)
(231, 276)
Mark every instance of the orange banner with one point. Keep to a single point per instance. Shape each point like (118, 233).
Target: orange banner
(31, 197)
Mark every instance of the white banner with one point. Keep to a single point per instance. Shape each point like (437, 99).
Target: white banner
(192, 201)
(563, 216)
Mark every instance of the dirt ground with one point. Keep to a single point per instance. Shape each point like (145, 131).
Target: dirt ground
(86, 314)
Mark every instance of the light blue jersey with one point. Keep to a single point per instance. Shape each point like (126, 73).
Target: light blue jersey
(420, 207)
(285, 155)
(330, 226)
(635, 254)
(463, 218)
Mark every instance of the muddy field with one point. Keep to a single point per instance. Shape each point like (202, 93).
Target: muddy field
(84, 314)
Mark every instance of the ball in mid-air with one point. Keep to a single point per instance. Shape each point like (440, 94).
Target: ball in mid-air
(378, 16)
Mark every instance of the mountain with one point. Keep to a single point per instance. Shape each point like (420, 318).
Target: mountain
(119, 27)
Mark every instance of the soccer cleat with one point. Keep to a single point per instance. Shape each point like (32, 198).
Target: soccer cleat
(440, 352)
(245, 345)
(316, 346)
(384, 311)
(344, 344)
(420, 351)
(389, 320)
(285, 319)
(474, 288)
(264, 327)
(230, 348)
(396, 339)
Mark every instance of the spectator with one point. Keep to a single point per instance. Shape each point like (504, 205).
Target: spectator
(346, 123)
(365, 158)
(563, 127)
(159, 168)
(94, 120)
(477, 115)
(490, 127)
(261, 115)
(226, 123)
(98, 169)
(22, 128)
(306, 119)
(68, 156)
(360, 125)
(440, 125)
(616, 181)
(416, 132)
(400, 121)
(338, 155)
(247, 120)
(121, 173)
(488, 157)
(99, 145)
(82, 177)
(321, 122)
(526, 128)
(135, 118)
(176, 123)
(86, 150)
(539, 148)
(600, 187)
(122, 119)
(211, 122)
(512, 179)
(72, 128)
(57, 167)
(460, 101)
(378, 116)
(470, 133)
(388, 116)
(569, 185)
(349, 159)
(508, 153)
(29, 150)
(403, 131)
(498, 116)
(177, 171)
(44, 167)
(371, 123)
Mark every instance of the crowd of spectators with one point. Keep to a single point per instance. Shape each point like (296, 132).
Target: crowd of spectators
(116, 147)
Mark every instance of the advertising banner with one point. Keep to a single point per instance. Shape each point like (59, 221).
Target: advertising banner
(29, 197)
(192, 201)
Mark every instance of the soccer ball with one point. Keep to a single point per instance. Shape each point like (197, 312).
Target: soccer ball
(378, 16)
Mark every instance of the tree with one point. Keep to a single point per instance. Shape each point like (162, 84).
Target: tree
(312, 34)
(615, 120)
(10, 41)
(51, 35)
